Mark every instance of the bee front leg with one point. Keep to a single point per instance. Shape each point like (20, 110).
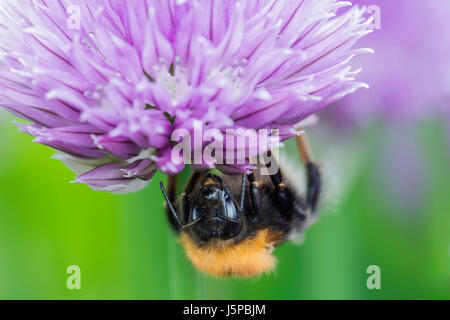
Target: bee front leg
(177, 210)
(254, 193)
(286, 200)
(314, 174)
(195, 177)
(172, 186)
(185, 204)
(170, 206)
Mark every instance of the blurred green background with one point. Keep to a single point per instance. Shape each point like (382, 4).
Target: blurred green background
(126, 250)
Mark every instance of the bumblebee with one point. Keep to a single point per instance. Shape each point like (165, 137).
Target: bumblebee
(230, 225)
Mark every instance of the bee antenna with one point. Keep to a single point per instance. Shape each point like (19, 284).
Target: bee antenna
(192, 223)
(231, 220)
(169, 204)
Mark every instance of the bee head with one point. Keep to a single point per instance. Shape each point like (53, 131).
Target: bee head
(215, 213)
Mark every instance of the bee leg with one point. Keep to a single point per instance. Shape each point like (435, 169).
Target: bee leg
(314, 174)
(254, 193)
(286, 200)
(176, 219)
(195, 177)
(172, 188)
(242, 198)
(172, 214)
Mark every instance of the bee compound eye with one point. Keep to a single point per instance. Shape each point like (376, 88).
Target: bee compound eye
(194, 214)
(231, 210)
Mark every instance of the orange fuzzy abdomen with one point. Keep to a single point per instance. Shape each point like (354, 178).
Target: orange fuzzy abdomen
(248, 258)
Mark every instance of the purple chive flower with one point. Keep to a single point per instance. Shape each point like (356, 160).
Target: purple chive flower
(107, 82)
(410, 77)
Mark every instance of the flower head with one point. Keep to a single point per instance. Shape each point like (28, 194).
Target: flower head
(108, 82)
